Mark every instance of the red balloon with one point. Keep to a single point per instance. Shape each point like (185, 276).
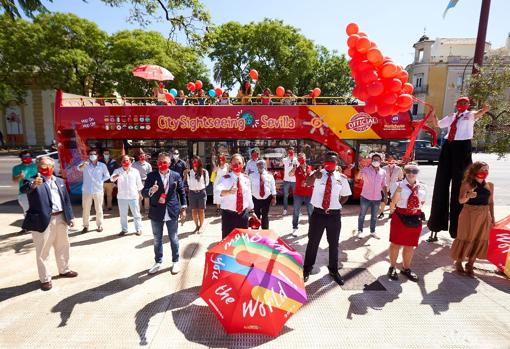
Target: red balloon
(198, 84)
(169, 97)
(370, 108)
(280, 91)
(352, 40)
(408, 88)
(384, 109)
(405, 101)
(191, 86)
(362, 45)
(393, 85)
(352, 28)
(352, 52)
(365, 66)
(363, 95)
(368, 76)
(375, 56)
(375, 88)
(402, 110)
(254, 75)
(362, 34)
(388, 70)
(316, 92)
(395, 110)
(389, 98)
(219, 92)
(403, 76)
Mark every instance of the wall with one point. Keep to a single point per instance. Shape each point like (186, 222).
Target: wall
(437, 85)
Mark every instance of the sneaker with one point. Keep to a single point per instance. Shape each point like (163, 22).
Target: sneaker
(392, 274)
(284, 213)
(155, 268)
(138, 233)
(411, 275)
(99, 229)
(294, 232)
(375, 235)
(176, 267)
(122, 233)
(381, 216)
(359, 234)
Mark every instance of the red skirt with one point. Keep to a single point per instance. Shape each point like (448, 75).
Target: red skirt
(403, 235)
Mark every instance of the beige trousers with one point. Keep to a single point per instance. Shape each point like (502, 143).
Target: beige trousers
(55, 235)
(86, 202)
(108, 190)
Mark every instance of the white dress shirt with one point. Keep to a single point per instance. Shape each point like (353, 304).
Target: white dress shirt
(288, 164)
(144, 168)
(465, 125)
(393, 175)
(56, 201)
(339, 187)
(269, 185)
(251, 166)
(229, 202)
(165, 178)
(129, 183)
(196, 185)
(93, 177)
(406, 192)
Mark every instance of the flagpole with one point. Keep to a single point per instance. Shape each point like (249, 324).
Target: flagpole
(482, 34)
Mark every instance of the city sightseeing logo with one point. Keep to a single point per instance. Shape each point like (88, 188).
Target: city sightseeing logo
(361, 122)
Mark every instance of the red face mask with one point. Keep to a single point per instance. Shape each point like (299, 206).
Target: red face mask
(222, 159)
(301, 161)
(462, 108)
(163, 166)
(46, 172)
(330, 166)
(195, 164)
(237, 168)
(141, 158)
(254, 156)
(291, 154)
(482, 174)
(26, 161)
(126, 163)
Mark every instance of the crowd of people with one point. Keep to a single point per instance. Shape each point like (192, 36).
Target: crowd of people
(244, 193)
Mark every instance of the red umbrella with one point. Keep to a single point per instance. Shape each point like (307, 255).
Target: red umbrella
(499, 245)
(152, 72)
(253, 281)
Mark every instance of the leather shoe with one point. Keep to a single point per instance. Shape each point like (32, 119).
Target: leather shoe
(337, 277)
(84, 230)
(46, 286)
(69, 274)
(122, 233)
(306, 276)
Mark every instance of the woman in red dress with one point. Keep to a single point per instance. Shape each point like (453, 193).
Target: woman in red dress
(406, 221)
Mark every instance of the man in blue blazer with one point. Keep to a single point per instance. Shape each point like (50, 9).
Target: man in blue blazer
(48, 218)
(165, 190)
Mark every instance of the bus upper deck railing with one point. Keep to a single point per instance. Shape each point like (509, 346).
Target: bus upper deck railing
(204, 101)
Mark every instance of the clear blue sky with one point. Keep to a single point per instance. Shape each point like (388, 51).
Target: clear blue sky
(393, 24)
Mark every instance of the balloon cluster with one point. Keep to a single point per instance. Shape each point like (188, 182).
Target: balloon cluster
(197, 85)
(380, 83)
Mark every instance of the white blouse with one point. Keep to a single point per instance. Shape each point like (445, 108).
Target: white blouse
(406, 192)
(199, 184)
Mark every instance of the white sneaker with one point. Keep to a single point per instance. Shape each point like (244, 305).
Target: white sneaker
(176, 267)
(294, 232)
(155, 268)
(284, 213)
(359, 234)
(375, 235)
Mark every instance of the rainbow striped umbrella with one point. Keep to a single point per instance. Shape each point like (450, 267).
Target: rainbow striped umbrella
(253, 281)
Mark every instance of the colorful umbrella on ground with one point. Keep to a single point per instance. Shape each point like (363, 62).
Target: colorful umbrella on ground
(253, 281)
(499, 245)
(152, 72)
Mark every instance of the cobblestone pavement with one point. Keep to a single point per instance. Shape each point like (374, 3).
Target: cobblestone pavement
(114, 303)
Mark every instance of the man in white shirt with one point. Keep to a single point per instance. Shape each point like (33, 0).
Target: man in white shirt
(144, 168)
(129, 185)
(289, 163)
(236, 200)
(455, 157)
(263, 189)
(330, 191)
(251, 165)
(95, 173)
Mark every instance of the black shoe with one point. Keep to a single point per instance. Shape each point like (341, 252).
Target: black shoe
(122, 233)
(337, 277)
(411, 275)
(432, 238)
(381, 216)
(392, 274)
(84, 230)
(306, 276)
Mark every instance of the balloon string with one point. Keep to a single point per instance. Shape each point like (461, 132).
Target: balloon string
(418, 128)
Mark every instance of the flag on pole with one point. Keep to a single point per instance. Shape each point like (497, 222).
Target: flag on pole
(451, 4)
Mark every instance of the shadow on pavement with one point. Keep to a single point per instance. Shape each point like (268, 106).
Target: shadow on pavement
(66, 306)
(15, 291)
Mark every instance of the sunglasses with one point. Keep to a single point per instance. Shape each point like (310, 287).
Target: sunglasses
(412, 171)
(44, 166)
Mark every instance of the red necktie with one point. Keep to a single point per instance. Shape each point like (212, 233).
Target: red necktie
(262, 189)
(453, 128)
(327, 193)
(413, 202)
(239, 198)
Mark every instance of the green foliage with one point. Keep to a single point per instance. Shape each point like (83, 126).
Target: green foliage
(492, 86)
(280, 54)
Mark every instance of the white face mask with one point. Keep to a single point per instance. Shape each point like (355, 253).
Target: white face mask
(175, 156)
(93, 157)
(376, 163)
(106, 157)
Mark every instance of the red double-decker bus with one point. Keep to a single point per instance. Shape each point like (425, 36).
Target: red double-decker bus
(130, 124)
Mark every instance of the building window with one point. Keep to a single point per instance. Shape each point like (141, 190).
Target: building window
(420, 55)
(415, 109)
(418, 80)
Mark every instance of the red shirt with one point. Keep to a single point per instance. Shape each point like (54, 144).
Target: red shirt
(301, 188)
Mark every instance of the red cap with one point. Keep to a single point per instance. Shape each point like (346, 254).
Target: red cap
(460, 99)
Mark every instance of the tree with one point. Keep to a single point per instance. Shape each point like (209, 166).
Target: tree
(128, 49)
(492, 86)
(280, 54)
(187, 16)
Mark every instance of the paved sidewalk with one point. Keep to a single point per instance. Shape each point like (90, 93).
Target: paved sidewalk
(114, 303)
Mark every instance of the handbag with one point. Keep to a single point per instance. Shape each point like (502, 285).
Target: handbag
(410, 221)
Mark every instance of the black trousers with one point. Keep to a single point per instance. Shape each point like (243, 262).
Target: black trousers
(320, 221)
(261, 208)
(455, 157)
(231, 220)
